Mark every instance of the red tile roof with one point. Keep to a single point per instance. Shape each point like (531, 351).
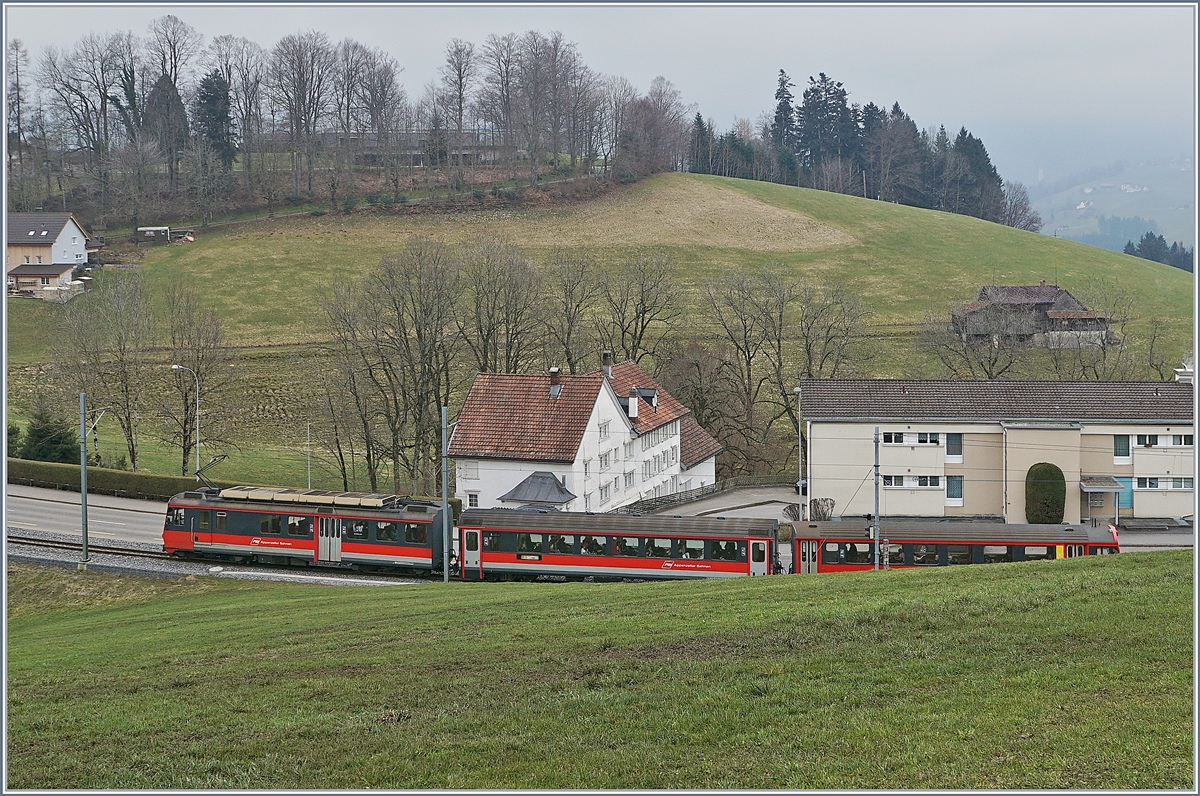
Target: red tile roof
(628, 374)
(695, 444)
(512, 416)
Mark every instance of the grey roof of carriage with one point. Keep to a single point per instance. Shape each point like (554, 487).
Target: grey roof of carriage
(539, 487)
(858, 400)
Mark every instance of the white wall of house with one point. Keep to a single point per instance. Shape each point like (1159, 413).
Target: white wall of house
(700, 474)
(69, 246)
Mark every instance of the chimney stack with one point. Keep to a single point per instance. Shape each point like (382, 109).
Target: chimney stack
(606, 363)
(633, 403)
(554, 376)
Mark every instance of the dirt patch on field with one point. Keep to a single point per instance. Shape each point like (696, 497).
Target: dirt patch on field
(674, 211)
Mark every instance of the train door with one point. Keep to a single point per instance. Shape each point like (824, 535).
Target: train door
(202, 527)
(758, 557)
(807, 565)
(470, 557)
(329, 539)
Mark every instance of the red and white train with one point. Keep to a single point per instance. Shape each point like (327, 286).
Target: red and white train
(847, 546)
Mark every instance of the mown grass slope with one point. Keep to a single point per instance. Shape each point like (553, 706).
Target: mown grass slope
(265, 276)
(1068, 674)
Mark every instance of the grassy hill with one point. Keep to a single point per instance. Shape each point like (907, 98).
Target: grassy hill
(264, 276)
(1067, 674)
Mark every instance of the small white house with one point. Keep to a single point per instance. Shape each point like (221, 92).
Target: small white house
(592, 442)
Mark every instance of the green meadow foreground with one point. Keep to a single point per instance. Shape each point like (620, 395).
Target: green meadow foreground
(1068, 674)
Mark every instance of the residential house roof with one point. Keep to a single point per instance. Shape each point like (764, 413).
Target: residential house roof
(1022, 294)
(41, 270)
(512, 416)
(20, 225)
(626, 375)
(859, 400)
(539, 487)
(695, 444)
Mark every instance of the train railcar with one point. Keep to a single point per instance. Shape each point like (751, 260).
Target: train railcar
(285, 526)
(846, 545)
(520, 544)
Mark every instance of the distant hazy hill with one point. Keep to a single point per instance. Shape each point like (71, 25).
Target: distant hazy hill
(1147, 197)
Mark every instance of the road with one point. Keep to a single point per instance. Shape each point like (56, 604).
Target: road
(54, 511)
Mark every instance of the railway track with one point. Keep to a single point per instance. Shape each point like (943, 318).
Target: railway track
(99, 549)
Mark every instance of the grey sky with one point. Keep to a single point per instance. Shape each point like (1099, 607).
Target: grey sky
(1055, 88)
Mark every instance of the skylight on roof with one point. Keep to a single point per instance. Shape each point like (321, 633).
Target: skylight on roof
(44, 231)
(31, 233)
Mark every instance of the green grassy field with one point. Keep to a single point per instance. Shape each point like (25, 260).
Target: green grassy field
(1069, 674)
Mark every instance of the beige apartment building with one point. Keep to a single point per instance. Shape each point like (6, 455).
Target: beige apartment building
(963, 448)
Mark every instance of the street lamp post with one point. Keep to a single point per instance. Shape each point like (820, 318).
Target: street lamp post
(197, 378)
(800, 454)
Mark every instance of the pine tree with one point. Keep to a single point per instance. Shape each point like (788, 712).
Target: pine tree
(166, 120)
(213, 121)
(783, 127)
(49, 438)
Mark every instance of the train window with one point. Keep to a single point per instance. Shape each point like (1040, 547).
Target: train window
(175, 517)
(832, 553)
(924, 555)
(1101, 551)
(491, 541)
(895, 554)
(268, 523)
(202, 523)
(658, 548)
(562, 543)
(625, 546)
(760, 553)
(355, 529)
(414, 532)
(691, 548)
(996, 554)
(593, 545)
(1038, 553)
(297, 526)
(529, 543)
(387, 531)
(859, 553)
(472, 541)
(221, 518)
(958, 554)
(724, 551)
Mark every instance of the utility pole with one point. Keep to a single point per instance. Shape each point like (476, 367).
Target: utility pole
(800, 456)
(445, 496)
(309, 438)
(83, 556)
(875, 534)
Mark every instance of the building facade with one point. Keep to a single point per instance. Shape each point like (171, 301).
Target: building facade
(610, 438)
(961, 448)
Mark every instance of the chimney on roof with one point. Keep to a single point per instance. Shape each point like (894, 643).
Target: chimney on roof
(633, 403)
(1043, 283)
(606, 363)
(1186, 374)
(555, 383)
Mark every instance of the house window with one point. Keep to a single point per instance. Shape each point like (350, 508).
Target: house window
(604, 493)
(74, 239)
(1181, 483)
(893, 480)
(39, 259)
(954, 485)
(616, 484)
(954, 445)
(605, 461)
(27, 259)
(1147, 440)
(587, 468)
(1147, 483)
(927, 439)
(468, 471)
(893, 438)
(45, 280)
(1120, 446)
(604, 430)
(587, 501)
(628, 451)
(629, 480)
(1182, 440)
(929, 480)
(472, 500)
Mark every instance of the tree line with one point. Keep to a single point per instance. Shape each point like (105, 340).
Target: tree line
(826, 142)
(1153, 246)
(122, 128)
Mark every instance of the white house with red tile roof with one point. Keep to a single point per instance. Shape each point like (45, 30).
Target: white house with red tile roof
(611, 438)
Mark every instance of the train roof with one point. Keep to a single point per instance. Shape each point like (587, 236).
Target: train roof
(306, 500)
(965, 532)
(580, 522)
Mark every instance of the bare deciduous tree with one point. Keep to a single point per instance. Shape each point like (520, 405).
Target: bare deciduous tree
(829, 318)
(458, 80)
(641, 304)
(301, 76)
(499, 318)
(1018, 209)
(571, 293)
(993, 345)
(173, 44)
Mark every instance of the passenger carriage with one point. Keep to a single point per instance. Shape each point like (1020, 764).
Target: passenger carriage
(847, 546)
(283, 526)
(522, 544)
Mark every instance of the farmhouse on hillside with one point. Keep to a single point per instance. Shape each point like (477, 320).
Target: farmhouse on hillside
(1030, 313)
(591, 442)
(43, 251)
(963, 448)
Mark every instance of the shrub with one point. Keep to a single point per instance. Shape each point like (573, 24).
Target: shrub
(14, 438)
(1045, 494)
(50, 439)
(349, 203)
